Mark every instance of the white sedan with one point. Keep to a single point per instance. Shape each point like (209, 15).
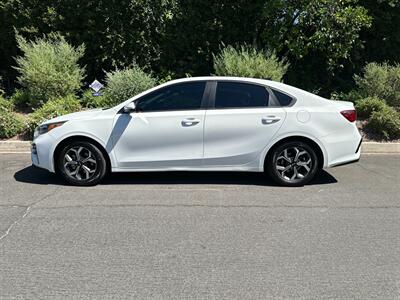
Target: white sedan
(203, 124)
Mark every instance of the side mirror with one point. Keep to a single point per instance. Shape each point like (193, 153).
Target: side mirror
(129, 108)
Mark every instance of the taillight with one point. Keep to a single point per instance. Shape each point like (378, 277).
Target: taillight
(350, 115)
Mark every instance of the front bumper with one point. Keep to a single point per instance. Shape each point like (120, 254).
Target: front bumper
(41, 152)
(34, 155)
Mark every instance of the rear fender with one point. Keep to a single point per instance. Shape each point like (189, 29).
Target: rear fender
(299, 134)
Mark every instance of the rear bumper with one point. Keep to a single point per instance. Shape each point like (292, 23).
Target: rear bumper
(343, 149)
(345, 163)
(357, 154)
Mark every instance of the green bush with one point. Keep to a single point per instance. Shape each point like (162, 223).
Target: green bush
(385, 123)
(124, 84)
(381, 81)
(365, 107)
(20, 99)
(5, 105)
(48, 69)
(248, 62)
(11, 124)
(352, 96)
(90, 101)
(52, 109)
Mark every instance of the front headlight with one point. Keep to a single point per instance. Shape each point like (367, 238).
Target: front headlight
(41, 129)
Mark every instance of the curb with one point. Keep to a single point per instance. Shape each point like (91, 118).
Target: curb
(384, 148)
(366, 147)
(15, 146)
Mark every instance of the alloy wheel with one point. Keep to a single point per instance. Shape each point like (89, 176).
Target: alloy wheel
(79, 163)
(293, 163)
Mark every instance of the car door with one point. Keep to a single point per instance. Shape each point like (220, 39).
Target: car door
(242, 118)
(166, 131)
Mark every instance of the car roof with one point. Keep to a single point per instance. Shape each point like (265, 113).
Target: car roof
(221, 78)
(293, 91)
(296, 92)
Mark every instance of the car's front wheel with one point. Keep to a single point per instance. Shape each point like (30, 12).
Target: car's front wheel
(81, 163)
(292, 164)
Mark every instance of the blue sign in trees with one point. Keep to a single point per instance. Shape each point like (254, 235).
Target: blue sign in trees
(96, 86)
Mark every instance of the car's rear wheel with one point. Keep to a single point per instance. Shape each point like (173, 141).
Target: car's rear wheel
(81, 163)
(292, 164)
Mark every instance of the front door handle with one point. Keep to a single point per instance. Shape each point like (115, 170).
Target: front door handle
(270, 120)
(190, 122)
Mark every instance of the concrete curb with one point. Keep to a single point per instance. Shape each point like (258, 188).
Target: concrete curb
(15, 146)
(366, 148)
(384, 148)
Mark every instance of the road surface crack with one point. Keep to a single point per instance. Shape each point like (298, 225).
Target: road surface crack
(25, 214)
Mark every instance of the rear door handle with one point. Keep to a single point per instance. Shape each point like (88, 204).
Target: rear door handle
(270, 120)
(190, 122)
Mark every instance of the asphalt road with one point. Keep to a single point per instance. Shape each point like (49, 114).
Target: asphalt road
(201, 235)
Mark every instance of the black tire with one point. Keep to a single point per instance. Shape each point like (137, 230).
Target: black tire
(283, 167)
(92, 167)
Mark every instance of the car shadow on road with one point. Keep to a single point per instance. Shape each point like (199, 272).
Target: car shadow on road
(35, 175)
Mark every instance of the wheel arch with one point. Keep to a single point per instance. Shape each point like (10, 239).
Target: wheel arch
(76, 138)
(299, 138)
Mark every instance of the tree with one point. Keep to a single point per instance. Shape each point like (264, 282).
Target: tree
(382, 39)
(198, 27)
(330, 26)
(325, 41)
(316, 36)
(115, 32)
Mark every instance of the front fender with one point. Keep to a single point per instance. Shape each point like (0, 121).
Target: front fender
(77, 134)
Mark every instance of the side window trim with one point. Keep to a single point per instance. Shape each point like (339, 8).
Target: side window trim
(273, 101)
(294, 99)
(204, 99)
(213, 94)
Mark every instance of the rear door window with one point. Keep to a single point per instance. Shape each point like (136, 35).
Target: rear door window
(240, 95)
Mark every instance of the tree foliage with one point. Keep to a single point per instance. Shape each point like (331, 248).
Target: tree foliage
(331, 27)
(325, 41)
(318, 38)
